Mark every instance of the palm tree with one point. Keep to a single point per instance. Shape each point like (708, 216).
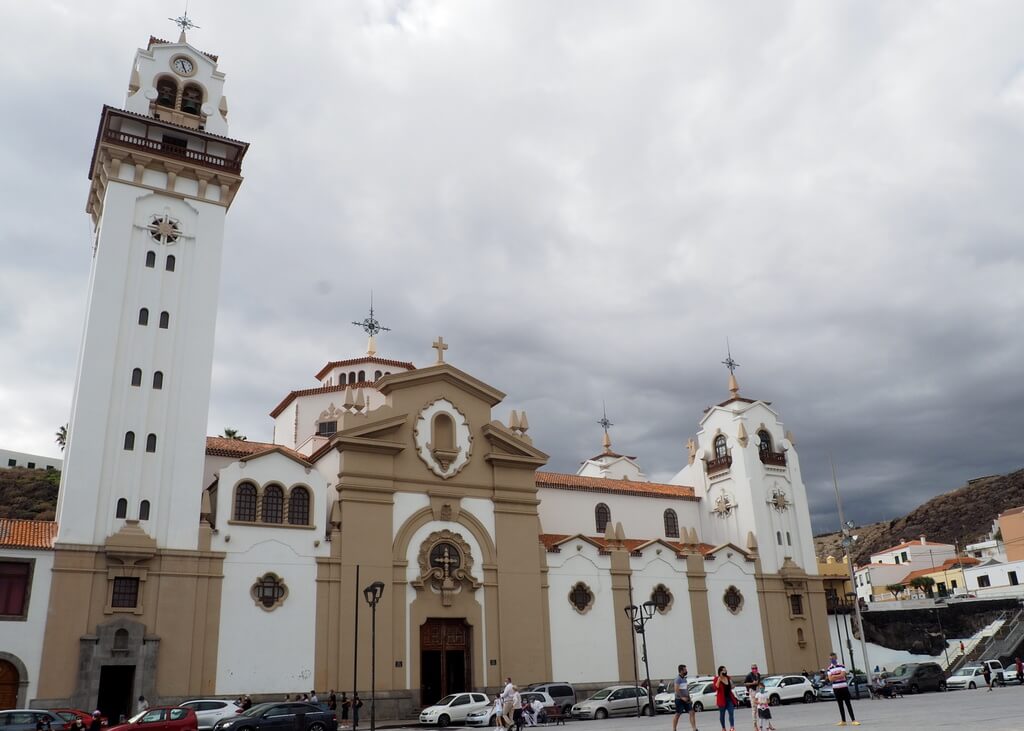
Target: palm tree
(62, 437)
(230, 433)
(896, 589)
(923, 583)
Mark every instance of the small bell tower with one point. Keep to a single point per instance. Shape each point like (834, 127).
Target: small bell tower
(162, 178)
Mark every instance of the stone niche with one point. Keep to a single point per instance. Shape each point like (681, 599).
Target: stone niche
(120, 642)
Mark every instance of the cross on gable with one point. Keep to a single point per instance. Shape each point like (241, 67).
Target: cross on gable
(440, 346)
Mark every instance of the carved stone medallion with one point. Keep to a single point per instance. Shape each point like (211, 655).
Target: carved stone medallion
(446, 565)
(733, 600)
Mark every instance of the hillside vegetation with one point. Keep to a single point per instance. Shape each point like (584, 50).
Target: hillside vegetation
(963, 515)
(26, 493)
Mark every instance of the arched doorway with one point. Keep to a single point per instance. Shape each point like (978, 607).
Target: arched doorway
(10, 681)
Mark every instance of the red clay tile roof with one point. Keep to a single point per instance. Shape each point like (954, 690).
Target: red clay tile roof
(365, 359)
(946, 566)
(18, 533)
(560, 481)
(224, 447)
(312, 391)
(551, 542)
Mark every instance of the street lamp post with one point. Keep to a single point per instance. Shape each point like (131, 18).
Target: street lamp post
(640, 616)
(834, 606)
(848, 540)
(373, 593)
(942, 633)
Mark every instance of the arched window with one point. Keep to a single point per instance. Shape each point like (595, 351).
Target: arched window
(144, 510)
(136, 376)
(351, 376)
(602, 517)
(298, 506)
(362, 376)
(671, 524)
(151, 443)
(720, 448)
(143, 316)
(764, 441)
(169, 264)
(342, 379)
(122, 509)
(166, 92)
(273, 504)
(158, 380)
(377, 375)
(778, 537)
(192, 99)
(789, 539)
(129, 440)
(245, 502)
(442, 433)
(150, 259)
(165, 319)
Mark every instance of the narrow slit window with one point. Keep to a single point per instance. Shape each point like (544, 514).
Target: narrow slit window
(151, 443)
(171, 261)
(129, 440)
(158, 380)
(144, 510)
(122, 509)
(137, 377)
(143, 316)
(150, 259)
(165, 320)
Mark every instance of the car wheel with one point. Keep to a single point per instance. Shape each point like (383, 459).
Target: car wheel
(646, 711)
(808, 697)
(443, 721)
(601, 714)
(942, 687)
(914, 689)
(774, 700)
(316, 726)
(698, 706)
(972, 686)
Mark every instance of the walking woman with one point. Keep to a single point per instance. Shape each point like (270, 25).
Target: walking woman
(726, 698)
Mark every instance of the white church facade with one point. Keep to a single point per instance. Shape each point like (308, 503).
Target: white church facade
(182, 565)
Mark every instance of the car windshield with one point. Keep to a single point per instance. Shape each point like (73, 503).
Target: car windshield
(138, 716)
(772, 682)
(966, 671)
(903, 670)
(445, 701)
(600, 695)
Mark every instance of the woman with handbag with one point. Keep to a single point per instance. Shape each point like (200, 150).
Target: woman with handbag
(725, 698)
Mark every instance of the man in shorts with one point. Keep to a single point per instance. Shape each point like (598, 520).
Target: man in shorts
(683, 704)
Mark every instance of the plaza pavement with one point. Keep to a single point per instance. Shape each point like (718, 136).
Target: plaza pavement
(1000, 710)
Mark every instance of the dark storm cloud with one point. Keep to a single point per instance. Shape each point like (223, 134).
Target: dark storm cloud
(585, 200)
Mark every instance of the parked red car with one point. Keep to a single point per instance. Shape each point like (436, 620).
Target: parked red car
(70, 714)
(165, 718)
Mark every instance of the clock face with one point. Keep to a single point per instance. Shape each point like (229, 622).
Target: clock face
(182, 65)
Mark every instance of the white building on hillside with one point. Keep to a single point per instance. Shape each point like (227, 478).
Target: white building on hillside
(9, 458)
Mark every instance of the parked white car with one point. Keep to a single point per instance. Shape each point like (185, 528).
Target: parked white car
(485, 716)
(454, 708)
(968, 677)
(615, 700)
(789, 688)
(210, 710)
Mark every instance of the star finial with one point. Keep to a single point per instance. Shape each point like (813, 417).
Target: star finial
(372, 327)
(605, 423)
(184, 22)
(732, 365)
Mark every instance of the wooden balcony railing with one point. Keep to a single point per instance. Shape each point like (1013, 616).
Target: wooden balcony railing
(166, 149)
(776, 459)
(719, 464)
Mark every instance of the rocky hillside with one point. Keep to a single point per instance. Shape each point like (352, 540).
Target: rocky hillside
(963, 515)
(30, 494)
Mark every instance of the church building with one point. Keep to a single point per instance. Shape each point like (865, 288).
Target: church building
(182, 565)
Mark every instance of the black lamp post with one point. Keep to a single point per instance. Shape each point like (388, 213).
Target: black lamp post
(640, 616)
(373, 594)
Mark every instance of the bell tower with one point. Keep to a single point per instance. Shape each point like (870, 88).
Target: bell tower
(163, 175)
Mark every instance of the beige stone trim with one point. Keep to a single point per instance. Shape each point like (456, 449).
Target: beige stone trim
(696, 580)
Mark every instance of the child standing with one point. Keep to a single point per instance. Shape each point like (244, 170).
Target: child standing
(763, 705)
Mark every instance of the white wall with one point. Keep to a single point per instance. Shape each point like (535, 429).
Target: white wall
(22, 459)
(998, 576)
(25, 639)
(738, 638)
(583, 646)
(572, 511)
(670, 640)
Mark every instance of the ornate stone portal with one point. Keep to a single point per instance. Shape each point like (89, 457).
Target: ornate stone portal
(446, 565)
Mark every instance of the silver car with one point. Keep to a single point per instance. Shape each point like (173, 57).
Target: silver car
(615, 700)
(210, 710)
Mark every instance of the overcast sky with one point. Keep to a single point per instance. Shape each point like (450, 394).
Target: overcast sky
(585, 199)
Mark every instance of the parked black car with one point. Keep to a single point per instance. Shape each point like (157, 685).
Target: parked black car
(280, 717)
(915, 677)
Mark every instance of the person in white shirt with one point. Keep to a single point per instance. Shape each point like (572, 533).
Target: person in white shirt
(762, 708)
(506, 701)
(538, 708)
